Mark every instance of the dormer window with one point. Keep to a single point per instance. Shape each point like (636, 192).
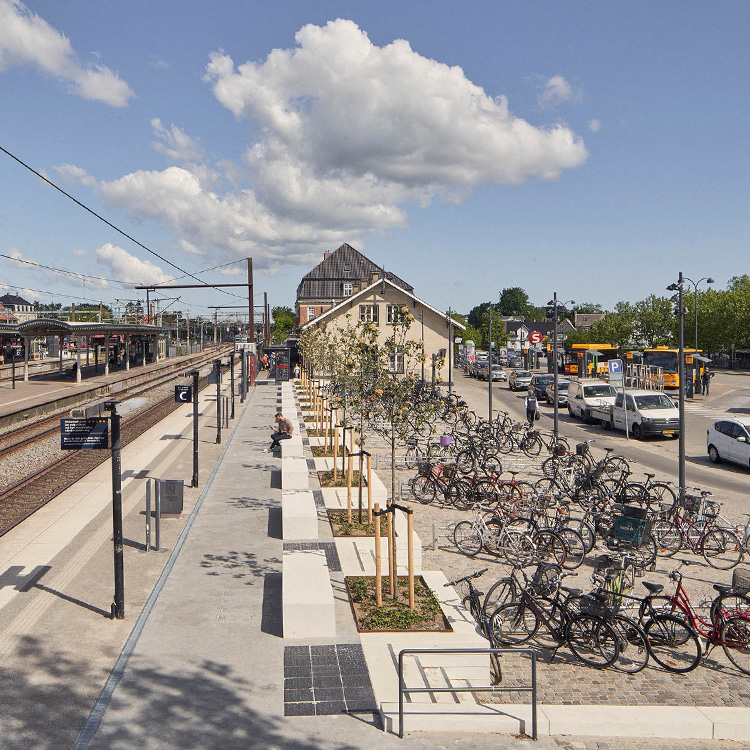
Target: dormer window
(347, 267)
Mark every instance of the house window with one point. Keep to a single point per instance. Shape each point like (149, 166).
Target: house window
(348, 289)
(396, 362)
(310, 313)
(394, 314)
(368, 313)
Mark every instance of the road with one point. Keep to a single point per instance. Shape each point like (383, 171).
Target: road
(729, 391)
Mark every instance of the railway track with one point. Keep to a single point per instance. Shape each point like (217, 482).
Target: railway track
(24, 498)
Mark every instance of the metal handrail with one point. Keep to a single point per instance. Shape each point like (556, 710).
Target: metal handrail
(489, 689)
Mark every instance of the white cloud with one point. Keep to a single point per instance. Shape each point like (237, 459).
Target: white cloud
(557, 90)
(594, 125)
(28, 40)
(79, 253)
(128, 268)
(345, 136)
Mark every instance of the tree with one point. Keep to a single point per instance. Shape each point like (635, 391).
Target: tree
(655, 321)
(617, 327)
(514, 301)
(283, 323)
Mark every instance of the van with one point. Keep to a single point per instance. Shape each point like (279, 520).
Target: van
(585, 395)
(648, 413)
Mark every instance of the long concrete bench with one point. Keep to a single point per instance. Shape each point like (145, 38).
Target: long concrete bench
(307, 596)
(299, 516)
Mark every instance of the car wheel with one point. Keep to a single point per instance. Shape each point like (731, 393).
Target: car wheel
(637, 432)
(713, 454)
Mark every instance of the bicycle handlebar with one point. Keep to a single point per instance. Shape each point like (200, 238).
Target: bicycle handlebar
(475, 574)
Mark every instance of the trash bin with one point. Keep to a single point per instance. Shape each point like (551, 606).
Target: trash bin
(689, 387)
(170, 496)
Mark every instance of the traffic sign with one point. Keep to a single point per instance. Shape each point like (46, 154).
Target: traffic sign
(535, 337)
(615, 366)
(183, 394)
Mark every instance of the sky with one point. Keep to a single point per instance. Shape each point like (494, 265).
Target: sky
(592, 149)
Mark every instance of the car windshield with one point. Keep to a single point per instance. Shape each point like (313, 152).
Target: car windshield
(600, 390)
(654, 401)
(562, 385)
(523, 374)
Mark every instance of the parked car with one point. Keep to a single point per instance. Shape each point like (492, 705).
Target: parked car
(475, 366)
(519, 380)
(729, 440)
(540, 384)
(583, 395)
(562, 391)
(497, 372)
(648, 413)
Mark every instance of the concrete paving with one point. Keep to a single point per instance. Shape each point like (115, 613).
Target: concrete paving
(199, 661)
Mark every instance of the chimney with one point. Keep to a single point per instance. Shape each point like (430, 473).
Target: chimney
(325, 254)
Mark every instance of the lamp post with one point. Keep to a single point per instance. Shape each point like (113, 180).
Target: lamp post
(555, 305)
(489, 368)
(678, 287)
(696, 371)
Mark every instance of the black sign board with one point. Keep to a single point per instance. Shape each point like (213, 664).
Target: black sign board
(90, 433)
(183, 394)
(281, 362)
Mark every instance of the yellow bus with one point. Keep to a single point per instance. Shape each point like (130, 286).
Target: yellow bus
(592, 356)
(667, 358)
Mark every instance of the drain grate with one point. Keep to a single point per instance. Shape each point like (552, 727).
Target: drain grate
(332, 555)
(325, 680)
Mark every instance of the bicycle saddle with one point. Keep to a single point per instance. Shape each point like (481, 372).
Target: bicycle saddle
(650, 476)
(723, 589)
(654, 588)
(572, 592)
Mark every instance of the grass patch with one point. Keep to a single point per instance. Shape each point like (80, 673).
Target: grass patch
(342, 527)
(326, 479)
(319, 451)
(394, 614)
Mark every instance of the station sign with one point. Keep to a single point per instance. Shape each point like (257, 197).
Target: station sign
(535, 337)
(183, 394)
(87, 434)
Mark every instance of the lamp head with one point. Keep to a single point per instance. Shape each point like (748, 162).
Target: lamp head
(709, 280)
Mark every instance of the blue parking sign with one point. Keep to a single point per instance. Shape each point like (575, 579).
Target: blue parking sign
(615, 366)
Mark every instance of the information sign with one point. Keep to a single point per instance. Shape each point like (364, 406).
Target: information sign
(616, 373)
(91, 434)
(183, 394)
(535, 337)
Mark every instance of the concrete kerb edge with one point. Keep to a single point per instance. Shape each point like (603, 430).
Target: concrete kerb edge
(91, 725)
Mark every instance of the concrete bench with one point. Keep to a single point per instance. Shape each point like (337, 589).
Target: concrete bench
(299, 516)
(294, 472)
(307, 595)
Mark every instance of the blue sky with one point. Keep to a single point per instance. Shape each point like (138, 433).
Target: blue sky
(595, 149)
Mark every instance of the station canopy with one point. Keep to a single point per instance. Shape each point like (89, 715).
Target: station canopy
(39, 327)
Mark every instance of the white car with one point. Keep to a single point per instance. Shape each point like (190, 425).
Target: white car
(729, 440)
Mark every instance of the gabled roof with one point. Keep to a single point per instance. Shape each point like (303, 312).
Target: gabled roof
(14, 299)
(346, 264)
(333, 311)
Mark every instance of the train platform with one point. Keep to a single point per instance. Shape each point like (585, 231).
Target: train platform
(201, 658)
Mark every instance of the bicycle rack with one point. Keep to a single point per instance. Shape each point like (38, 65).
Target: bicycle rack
(488, 689)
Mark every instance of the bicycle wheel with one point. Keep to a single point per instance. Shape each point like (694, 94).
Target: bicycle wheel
(667, 536)
(672, 643)
(721, 549)
(644, 556)
(460, 494)
(730, 605)
(592, 641)
(465, 461)
(513, 623)
(633, 644)
(615, 465)
(550, 547)
(549, 633)
(545, 486)
(516, 545)
(467, 538)
(501, 592)
(495, 540)
(585, 529)
(735, 637)
(423, 489)
(575, 547)
(531, 445)
(486, 493)
(522, 490)
(411, 457)
(634, 492)
(661, 498)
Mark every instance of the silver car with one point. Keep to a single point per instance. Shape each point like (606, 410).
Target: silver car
(519, 380)
(562, 392)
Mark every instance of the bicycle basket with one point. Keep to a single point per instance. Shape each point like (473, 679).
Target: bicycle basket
(424, 468)
(591, 606)
(582, 449)
(449, 470)
(741, 581)
(627, 529)
(711, 508)
(634, 511)
(445, 440)
(691, 504)
(560, 451)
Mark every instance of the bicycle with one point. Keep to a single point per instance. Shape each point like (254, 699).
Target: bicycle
(429, 481)
(726, 626)
(545, 582)
(719, 547)
(473, 602)
(588, 636)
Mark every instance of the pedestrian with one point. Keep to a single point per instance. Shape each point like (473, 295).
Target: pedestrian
(532, 407)
(707, 375)
(296, 371)
(265, 361)
(284, 429)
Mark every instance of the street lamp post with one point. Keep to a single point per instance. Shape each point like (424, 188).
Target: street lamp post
(556, 406)
(489, 368)
(696, 371)
(678, 287)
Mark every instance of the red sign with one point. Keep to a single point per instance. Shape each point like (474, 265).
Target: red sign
(535, 337)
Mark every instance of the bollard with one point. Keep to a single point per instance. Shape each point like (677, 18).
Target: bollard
(148, 515)
(410, 544)
(157, 520)
(434, 537)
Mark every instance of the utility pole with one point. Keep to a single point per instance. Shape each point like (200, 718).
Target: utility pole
(250, 294)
